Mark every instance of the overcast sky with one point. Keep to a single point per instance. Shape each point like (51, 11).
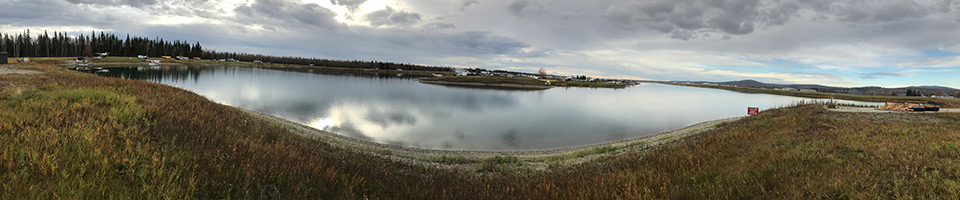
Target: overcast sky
(839, 43)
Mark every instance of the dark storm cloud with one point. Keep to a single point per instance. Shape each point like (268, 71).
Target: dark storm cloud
(516, 7)
(132, 3)
(683, 19)
(278, 13)
(859, 11)
(876, 75)
(390, 17)
(485, 43)
(468, 3)
(437, 26)
(57, 13)
(31, 9)
(351, 4)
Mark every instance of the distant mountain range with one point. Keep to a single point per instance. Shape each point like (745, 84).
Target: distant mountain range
(869, 90)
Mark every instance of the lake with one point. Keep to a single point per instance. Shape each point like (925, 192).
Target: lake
(404, 112)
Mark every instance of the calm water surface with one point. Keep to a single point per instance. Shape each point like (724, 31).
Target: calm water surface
(407, 113)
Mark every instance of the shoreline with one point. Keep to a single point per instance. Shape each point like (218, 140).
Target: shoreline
(470, 159)
(497, 85)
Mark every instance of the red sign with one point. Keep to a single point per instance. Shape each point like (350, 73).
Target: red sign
(753, 111)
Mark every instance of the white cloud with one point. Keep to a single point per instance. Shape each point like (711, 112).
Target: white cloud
(796, 41)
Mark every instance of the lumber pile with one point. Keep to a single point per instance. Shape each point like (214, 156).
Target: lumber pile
(907, 107)
(898, 106)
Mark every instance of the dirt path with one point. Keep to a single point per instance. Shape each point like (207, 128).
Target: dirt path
(6, 69)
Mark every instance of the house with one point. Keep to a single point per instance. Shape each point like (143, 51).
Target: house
(461, 72)
(808, 90)
(102, 54)
(3, 58)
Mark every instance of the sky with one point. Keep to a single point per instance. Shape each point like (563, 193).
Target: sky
(890, 43)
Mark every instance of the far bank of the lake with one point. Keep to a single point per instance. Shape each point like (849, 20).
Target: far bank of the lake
(515, 82)
(943, 102)
(110, 62)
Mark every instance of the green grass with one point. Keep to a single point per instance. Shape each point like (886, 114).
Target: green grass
(74, 137)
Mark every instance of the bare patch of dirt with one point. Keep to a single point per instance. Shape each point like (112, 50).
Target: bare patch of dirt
(4, 70)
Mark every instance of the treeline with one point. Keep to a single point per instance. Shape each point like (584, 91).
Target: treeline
(60, 44)
(319, 62)
(911, 93)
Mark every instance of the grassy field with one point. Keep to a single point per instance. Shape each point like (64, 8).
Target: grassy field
(946, 103)
(68, 135)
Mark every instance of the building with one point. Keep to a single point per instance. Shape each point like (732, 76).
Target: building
(3, 58)
(786, 89)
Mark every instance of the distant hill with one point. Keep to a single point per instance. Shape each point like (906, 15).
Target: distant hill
(869, 90)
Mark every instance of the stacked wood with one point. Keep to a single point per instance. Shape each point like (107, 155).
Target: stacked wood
(908, 107)
(899, 106)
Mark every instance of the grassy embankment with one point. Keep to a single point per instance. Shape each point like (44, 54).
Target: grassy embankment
(946, 103)
(515, 82)
(72, 135)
